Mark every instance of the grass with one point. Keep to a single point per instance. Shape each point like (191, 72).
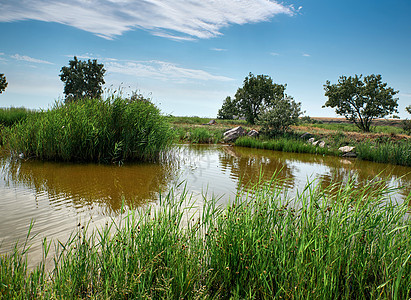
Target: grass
(12, 115)
(398, 153)
(199, 135)
(332, 243)
(353, 128)
(92, 130)
(282, 144)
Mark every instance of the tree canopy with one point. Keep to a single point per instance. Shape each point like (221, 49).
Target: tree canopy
(3, 83)
(83, 79)
(361, 100)
(257, 94)
(228, 110)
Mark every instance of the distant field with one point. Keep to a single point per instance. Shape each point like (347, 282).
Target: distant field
(376, 122)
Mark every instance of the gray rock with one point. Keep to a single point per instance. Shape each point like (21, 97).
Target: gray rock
(349, 154)
(21, 155)
(212, 122)
(306, 135)
(253, 133)
(233, 134)
(346, 149)
(315, 143)
(321, 144)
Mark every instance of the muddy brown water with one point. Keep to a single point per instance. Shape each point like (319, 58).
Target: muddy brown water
(58, 197)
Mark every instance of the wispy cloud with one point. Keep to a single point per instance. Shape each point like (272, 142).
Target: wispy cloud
(306, 55)
(274, 53)
(174, 19)
(218, 49)
(160, 70)
(408, 95)
(30, 59)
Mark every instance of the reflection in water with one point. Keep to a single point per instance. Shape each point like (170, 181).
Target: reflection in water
(58, 196)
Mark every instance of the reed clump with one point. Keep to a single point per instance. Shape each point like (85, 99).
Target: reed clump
(283, 144)
(398, 153)
(93, 130)
(337, 242)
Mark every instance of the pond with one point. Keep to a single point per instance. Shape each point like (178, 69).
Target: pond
(60, 197)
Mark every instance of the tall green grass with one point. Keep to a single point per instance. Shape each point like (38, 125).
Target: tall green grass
(352, 128)
(93, 130)
(282, 144)
(398, 153)
(12, 115)
(199, 135)
(334, 243)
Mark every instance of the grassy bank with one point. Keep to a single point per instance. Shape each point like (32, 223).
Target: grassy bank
(398, 153)
(92, 130)
(283, 144)
(334, 243)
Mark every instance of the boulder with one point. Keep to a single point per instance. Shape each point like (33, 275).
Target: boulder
(346, 149)
(315, 143)
(212, 122)
(306, 135)
(349, 154)
(233, 134)
(253, 133)
(311, 140)
(321, 144)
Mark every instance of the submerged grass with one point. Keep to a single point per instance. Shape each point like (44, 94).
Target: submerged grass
(333, 243)
(92, 130)
(283, 144)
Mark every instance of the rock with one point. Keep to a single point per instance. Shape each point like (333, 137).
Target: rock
(311, 140)
(306, 135)
(253, 133)
(346, 149)
(349, 154)
(321, 144)
(233, 134)
(315, 143)
(21, 155)
(212, 122)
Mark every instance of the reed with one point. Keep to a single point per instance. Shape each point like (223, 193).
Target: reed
(199, 135)
(337, 242)
(285, 144)
(398, 153)
(93, 130)
(12, 115)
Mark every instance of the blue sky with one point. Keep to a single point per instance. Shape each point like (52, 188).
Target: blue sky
(188, 55)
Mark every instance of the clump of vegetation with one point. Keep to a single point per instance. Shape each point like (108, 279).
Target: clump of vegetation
(3, 83)
(398, 153)
(12, 115)
(285, 144)
(199, 135)
(93, 130)
(406, 124)
(338, 242)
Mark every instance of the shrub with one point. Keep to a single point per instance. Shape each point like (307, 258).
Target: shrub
(93, 130)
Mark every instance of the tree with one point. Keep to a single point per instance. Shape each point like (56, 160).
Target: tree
(406, 124)
(228, 110)
(257, 94)
(361, 101)
(3, 83)
(280, 116)
(82, 79)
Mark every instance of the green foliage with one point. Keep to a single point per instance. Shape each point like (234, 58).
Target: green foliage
(93, 130)
(397, 153)
(228, 110)
(406, 124)
(278, 118)
(3, 83)
(12, 115)
(282, 144)
(361, 101)
(257, 94)
(82, 79)
(199, 135)
(337, 242)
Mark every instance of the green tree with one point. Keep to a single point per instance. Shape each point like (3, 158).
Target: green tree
(280, 116)
(228, 110)
(406, 124)
(257, 94)
(83, 79)
(3, 83)
(361, 101)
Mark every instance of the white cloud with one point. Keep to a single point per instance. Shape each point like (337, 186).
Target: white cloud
(306, 55)
(408, 95)
(174, 19)
(274, 54)
(218, 49)
(160, 70)
(30, 59)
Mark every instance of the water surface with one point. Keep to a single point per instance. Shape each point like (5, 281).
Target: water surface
(59, 197)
